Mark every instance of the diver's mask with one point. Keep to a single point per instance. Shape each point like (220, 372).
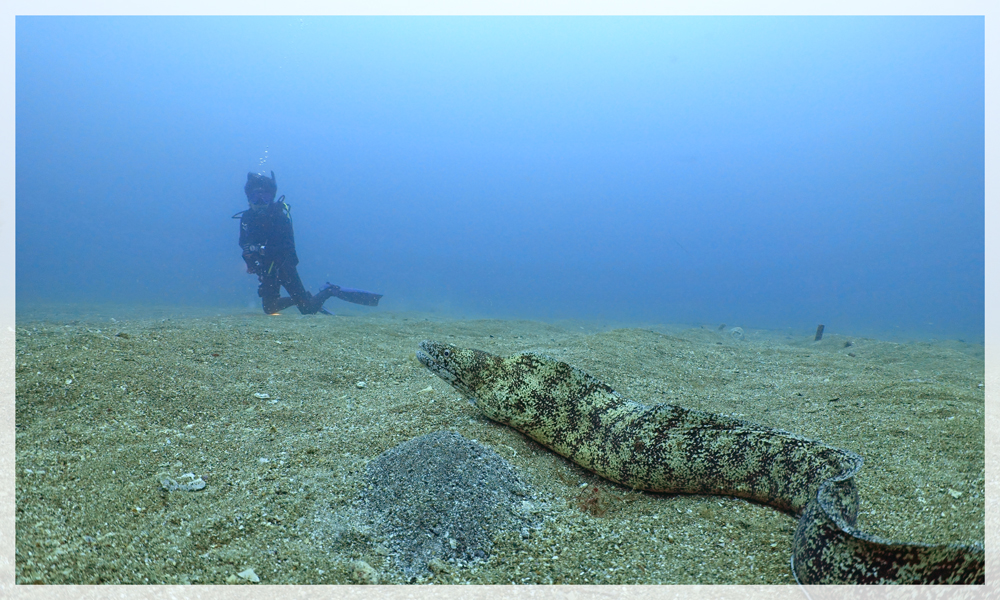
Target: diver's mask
(260, 190)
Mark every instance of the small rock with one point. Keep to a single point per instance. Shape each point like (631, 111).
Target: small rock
(262, 395)
(232, 579)
(249, 575)
(438, 567)
(954, 493)
(189, 482)
(363, 573)
(360, 384)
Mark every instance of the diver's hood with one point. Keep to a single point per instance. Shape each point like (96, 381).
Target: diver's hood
(256, 181)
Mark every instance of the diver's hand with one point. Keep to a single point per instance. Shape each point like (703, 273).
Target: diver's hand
(252, 261)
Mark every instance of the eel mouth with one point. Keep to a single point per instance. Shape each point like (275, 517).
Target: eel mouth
(425, 358)
(427, 355)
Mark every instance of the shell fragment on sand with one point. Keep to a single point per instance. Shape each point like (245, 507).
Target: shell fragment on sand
(188, 482)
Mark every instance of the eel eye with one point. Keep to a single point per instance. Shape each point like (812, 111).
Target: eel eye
(447, 353)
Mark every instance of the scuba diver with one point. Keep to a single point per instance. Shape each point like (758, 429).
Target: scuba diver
(269, 251)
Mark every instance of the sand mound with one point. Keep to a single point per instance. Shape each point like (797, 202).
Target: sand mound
(442, 496)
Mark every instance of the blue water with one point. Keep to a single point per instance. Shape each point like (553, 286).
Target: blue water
(761, 172)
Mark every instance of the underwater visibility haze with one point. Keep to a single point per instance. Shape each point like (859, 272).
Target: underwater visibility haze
(616, 235)
(756, 171)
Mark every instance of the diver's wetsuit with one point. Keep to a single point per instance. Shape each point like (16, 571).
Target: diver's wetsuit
(269, 251)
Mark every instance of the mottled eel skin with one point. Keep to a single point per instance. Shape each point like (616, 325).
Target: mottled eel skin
(666, 448)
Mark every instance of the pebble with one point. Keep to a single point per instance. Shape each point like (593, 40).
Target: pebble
(189, 482)
(438, 567)
(360, 384)
(249, 575)
(363, 573)
(262, 395)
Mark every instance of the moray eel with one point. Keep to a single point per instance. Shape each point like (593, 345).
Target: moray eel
(665, 448)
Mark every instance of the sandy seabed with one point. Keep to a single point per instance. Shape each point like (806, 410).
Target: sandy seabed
(280, 415)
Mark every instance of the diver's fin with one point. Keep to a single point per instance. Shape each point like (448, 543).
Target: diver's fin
(353, 296)
(358, 296)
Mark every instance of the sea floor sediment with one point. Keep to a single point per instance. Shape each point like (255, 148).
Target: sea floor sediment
(279, 417)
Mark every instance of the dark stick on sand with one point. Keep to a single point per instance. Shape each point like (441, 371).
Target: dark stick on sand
(819, 332)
